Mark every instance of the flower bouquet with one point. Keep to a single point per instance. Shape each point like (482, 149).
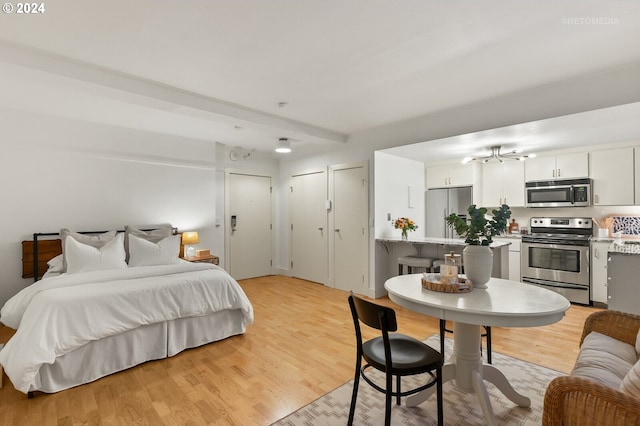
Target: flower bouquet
(406, 225)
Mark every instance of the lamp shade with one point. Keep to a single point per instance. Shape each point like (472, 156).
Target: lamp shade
(189, 238)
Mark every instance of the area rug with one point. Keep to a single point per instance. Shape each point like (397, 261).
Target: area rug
(460, 408)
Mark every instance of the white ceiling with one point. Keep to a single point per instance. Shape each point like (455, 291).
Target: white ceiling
(200, 69)
(620, 124)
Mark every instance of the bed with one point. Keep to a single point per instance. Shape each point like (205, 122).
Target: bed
(103, 306)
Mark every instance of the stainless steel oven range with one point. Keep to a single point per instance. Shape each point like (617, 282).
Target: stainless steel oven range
(556, 256)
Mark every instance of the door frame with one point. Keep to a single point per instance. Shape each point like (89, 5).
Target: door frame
(365, 220)
(227, 213)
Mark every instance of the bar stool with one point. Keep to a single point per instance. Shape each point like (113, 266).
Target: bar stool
(436, 264)
(413, 262)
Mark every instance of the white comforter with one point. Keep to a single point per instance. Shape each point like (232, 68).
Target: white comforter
(58, 315)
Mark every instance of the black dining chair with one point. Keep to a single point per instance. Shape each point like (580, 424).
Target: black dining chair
(394, 354)
(486, 334)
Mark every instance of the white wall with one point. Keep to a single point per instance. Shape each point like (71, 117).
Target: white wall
(58, 172)
(600, 90)
(392, 176)
(249, 162)
(323, 157)
(65, 173)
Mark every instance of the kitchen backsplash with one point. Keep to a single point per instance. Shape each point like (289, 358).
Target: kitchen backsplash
(626, 218)
(626, 225)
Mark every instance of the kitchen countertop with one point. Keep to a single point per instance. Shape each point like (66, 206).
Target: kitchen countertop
(603, 239)
(625, 247)
(514, 236)
(443, 241)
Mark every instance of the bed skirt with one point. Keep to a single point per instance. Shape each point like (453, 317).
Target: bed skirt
(116, 353)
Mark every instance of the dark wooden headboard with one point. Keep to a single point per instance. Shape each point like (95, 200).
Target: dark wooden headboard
(47, 250)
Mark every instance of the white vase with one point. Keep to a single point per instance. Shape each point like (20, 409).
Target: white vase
(478, 263)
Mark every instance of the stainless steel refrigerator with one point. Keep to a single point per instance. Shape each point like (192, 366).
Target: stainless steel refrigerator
(440, 203)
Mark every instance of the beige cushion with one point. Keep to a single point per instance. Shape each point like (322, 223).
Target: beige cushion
(415, 262)
(631, 382)
(604, 360)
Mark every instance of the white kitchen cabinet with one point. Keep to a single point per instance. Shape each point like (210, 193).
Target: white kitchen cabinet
(564, 166)
(612, 174)
(514, 256)
(599, 272)
(503, 183)
(450, 175)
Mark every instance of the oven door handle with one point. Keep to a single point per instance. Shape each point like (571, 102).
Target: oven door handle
(554, 284)
(557, 244)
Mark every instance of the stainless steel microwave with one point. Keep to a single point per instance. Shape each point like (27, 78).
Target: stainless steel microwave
(559, 193)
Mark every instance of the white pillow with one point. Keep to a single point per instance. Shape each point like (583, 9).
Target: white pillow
(85, 258)
(143, 252)
(157, 233)
(56, 264)
(96, 241)
(638, 343)
(631, 382)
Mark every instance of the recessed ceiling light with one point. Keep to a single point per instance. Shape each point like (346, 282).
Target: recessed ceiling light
(238, 127)
(282, 104)
(284, 146)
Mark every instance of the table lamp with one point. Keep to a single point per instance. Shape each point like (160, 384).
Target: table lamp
(189, 238)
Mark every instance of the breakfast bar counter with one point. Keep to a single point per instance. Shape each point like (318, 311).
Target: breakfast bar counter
(452, 242)
(389, 249)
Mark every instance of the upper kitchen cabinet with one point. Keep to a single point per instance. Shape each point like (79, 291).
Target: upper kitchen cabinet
(503, 183)
(612, 174)
(450, 175)
(562, 166)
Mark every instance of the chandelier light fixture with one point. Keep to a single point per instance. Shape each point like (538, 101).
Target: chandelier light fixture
(497, 156)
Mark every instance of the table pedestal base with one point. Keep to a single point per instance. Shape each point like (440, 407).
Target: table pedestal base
(465, 366)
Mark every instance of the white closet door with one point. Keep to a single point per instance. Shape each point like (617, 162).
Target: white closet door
(350, 227)
(308, 227)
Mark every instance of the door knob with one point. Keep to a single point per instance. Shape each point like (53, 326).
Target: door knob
(337, 230)
(320, 229)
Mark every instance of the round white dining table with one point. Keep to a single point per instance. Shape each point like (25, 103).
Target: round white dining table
(504, 303)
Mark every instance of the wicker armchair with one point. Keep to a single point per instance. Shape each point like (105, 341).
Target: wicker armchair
(573, 400)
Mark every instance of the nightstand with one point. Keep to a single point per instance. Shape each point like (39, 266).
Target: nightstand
(203, 259)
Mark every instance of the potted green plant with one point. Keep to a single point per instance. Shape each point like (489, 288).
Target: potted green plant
(478, 231)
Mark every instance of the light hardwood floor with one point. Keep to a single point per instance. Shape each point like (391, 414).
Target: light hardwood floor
(300, 347)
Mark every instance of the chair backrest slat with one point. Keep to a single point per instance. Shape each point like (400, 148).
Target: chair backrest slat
(374, 315)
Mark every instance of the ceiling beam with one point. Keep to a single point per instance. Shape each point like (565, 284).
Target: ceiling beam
(131, 85)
